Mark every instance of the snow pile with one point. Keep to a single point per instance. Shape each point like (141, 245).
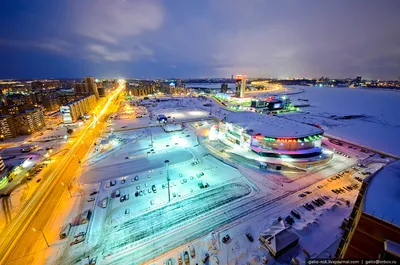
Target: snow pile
(172, 127)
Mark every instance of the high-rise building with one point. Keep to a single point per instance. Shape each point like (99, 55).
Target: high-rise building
(224, 87)
(79, 88)
(240, 85)
(19, 99)
(179, 83)
(29, 121)
(51, 103)
(373, 228)
(102, 92)
(14, 109)
(141, 88)
(7, 127)
(76, 109)
(90, 86)
(2, 166)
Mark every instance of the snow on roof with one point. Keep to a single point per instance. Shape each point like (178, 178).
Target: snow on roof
(277, 237)
(271, 126)
(382, 198)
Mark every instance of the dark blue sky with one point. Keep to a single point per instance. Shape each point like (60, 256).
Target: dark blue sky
(200, 38)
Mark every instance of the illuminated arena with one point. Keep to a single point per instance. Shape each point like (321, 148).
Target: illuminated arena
(271, 136)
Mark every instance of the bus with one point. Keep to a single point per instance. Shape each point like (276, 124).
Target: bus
(65, 231)
(104, 202)
(85, 216)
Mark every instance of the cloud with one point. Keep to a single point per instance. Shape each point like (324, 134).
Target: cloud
(97, 52)
(112, 21)
(52, 45)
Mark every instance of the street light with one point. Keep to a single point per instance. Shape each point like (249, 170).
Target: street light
(43, 236)
(168, 179)
(151, 137)
(79, 161)
(62, 183)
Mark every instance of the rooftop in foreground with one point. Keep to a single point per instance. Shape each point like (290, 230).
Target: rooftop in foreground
(271, 126)
(382, 198)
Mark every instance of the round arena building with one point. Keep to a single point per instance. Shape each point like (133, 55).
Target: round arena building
(271, 136)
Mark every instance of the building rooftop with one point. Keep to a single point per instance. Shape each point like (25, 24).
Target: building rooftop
(271, 126)
(382, 197)
(277, 237)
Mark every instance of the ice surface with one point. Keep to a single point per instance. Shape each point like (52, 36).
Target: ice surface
(377, 126)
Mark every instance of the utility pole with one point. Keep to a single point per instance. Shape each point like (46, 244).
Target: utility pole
(47, 243)
(168, 179)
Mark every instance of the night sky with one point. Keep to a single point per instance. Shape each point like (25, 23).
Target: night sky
(200, 38)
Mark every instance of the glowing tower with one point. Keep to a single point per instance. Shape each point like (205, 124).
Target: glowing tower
(240, 85)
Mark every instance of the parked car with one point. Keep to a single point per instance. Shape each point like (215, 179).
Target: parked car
(205, 257)
(113, 182)
(192, 251)
(77, 240)
(225, 239)
(289, 219)
(80, 234)
(186, 258)
(295, 214)
(315, 203)
(249, 237)
(127, 211)
(180, 259)
(122, 198)
(153, 188)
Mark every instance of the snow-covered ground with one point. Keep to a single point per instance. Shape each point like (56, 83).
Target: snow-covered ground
(212, 193)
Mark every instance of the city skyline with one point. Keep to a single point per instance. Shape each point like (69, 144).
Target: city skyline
(200, 39)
